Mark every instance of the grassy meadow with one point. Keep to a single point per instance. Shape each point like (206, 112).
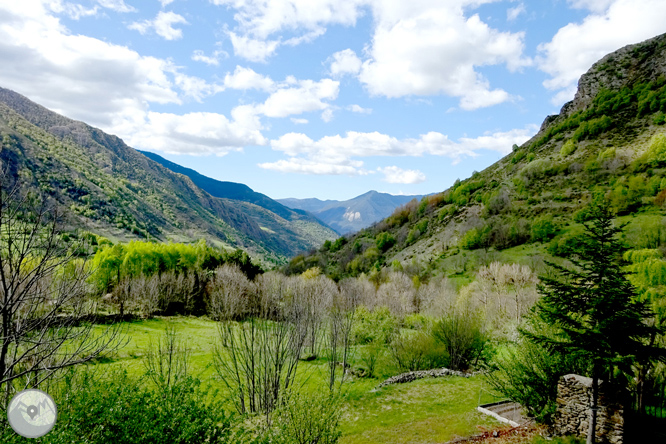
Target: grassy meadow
(424, 411)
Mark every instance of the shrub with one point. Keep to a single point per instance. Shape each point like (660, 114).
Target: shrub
(308, 418)
(463, 337)
(378, 325)
(384, 241)
(656, 152)
(417, 351)
(568, 148)
(471, 240)
(543, 228)
(120, 409)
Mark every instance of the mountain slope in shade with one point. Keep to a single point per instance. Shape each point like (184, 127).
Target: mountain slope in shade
(353, 214)
(111, 189)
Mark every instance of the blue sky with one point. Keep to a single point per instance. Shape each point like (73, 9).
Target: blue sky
(316, 98)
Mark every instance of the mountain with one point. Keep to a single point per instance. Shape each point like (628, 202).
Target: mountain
(113, 190)
(350, 215)
(528, 207)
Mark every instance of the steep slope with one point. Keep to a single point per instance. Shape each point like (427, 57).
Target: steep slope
(609, 141)
(353, 214)
(116, 191)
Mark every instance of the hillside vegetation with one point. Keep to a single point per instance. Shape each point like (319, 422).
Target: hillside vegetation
(527, 207)
(113, 190)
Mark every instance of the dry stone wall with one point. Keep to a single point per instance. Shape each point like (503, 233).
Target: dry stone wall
(574, 396)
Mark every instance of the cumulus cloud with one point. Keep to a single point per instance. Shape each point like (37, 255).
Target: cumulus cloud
(418, 48)
(116, 5)
(342, 151)
(611, 24)
(299, 121)
(393, 174)
(345, 62)
(359, 109)
(247, 78)
(254, 50)
(213, 60)
(162, 24)
(304, 96)
(72, 10)
(112, 86)
(165, 2)
(196, 133)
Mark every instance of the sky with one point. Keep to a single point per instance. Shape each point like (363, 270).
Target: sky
(316, 98)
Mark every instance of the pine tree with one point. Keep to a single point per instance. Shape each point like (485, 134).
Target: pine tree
(594, 308)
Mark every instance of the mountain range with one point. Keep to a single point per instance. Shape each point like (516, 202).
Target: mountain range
(116, 191)
(351, 215)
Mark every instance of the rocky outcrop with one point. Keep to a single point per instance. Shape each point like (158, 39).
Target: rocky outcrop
(420, 374)
(574, 396)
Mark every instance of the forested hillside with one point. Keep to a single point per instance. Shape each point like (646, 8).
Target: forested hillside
(113, 190)
(529, 206)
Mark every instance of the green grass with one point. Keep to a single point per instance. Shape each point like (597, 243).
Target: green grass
(424, 411)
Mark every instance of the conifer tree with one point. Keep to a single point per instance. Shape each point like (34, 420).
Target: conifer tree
(594, 308)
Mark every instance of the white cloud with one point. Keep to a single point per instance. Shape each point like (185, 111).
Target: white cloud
(116, 5)
(214, 60)
(72, 10)
(162, 24)
(165, 2)
(393, 174)
(513, 13)
(341, 150)
(254, 50)
(298, 121)
(307, 96)
(327, 115)
(196, 133)
(592, 5)
(612, 25)
(345, 62)
(112, 86)
(247, 78)
(262, 18)
(303, 166)
(359, 109)
(427, 48)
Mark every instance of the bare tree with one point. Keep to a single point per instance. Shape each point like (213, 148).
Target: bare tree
(230, 294)
(167, 360)
(44, 303)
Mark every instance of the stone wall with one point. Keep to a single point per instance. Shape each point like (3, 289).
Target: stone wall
(574, 396)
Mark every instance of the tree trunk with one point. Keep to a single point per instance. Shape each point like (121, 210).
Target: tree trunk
(591, 432)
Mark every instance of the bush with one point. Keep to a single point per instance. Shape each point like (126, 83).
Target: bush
(472, 239)
(417, 351)
(120, 409)
(568, 148)
(384, 241)
(543, 228)
(307, 418)
(378, 325)
(463, 337)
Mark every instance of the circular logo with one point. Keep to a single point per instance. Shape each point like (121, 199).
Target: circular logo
(32, 413)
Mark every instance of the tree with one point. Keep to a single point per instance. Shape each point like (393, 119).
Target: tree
(44, 301)
(594, 308)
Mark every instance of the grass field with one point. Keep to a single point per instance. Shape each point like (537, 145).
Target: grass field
(424, 411)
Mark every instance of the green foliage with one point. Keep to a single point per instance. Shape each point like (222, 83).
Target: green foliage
(384, 241)
(656, 152)
(307, 418)
(528, 374)
(120, 409)
(463, 337)
(543, 228)
(115, 262)
(338, 244)
(568, 148)
(471, 240)
(378, 325)
(417, 350)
